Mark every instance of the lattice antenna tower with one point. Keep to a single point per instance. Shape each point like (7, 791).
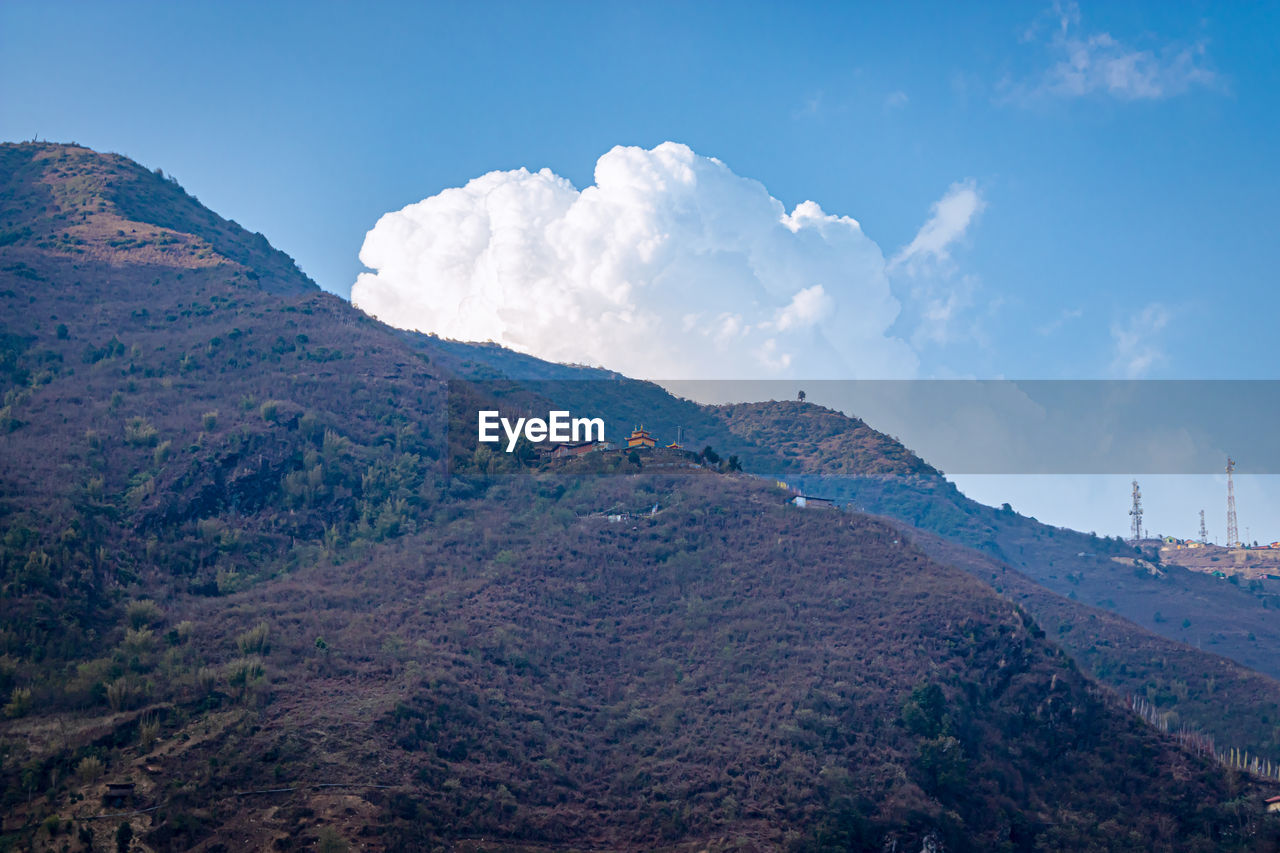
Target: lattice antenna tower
(1233, 532)
(1135, 514)
(1204, 531)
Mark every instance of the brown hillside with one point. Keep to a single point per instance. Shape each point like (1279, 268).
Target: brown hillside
(248, 567)
(1195, 691)
(831, 455)
(818, 441)
(71, 201)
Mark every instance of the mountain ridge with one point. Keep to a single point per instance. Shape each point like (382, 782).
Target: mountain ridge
(80, 202)
(242, 540)
(828, 453)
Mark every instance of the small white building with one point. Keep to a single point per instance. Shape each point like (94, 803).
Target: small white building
(809, 501)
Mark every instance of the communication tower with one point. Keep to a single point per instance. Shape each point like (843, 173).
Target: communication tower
(1204, 532)
(1233, 532)
(1135, 514)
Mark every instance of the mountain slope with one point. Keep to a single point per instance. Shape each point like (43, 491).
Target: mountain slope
(827, 453)
(1238, 623)
(728, 667)
(1066, 579)
(1205, 695)
(246, 556)
(1069, 581)
(78, 203)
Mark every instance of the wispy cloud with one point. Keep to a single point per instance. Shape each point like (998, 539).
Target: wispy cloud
(944, 308)
(1066, 315)
(1137, 346)
(948, 221)
(1101, 64)
(941, 298)
(896, 100)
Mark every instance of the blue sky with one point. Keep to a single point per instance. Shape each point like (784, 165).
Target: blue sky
(1127, 204)
(307, 121)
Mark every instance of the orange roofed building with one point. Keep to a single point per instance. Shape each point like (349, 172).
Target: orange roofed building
(640, 438)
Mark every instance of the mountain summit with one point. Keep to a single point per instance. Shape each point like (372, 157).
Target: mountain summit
(103, 207)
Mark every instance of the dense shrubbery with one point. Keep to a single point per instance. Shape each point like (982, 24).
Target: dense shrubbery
(241, 547)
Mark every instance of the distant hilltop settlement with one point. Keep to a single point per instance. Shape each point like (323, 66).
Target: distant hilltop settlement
(640, 441)
(1248, 562)
(1234, 560)
(673, 455)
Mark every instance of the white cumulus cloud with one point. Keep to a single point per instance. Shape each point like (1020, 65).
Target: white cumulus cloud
(668, 266)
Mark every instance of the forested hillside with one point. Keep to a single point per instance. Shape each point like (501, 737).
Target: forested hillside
(826, 452)
(252, 569)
